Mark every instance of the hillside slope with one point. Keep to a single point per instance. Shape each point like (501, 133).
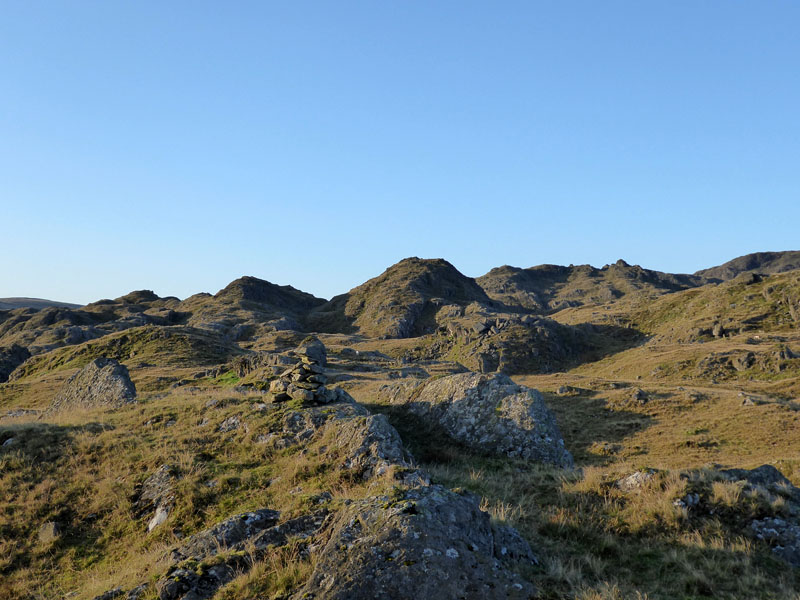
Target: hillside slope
(760, 262)
(38, 303)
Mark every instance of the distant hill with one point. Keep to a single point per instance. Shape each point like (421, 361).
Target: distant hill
(549, 288)
(12, 303)
(762, 262)
(399, 303)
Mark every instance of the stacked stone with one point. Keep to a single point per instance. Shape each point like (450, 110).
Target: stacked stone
(305, 381)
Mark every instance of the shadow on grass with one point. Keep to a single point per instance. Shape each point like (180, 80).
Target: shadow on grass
(31, 454)
(605, 340)
(591, 429)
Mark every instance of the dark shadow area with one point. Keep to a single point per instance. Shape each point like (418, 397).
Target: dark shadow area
(587, 423)
(427, 441)
(32, 453)
(606, 340)
(42, 442)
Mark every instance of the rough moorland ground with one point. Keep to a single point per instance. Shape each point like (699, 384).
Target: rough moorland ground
(201, 484)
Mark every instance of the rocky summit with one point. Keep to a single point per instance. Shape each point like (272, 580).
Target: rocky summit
(540, 432)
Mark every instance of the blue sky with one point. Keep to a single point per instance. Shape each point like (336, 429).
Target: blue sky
(175, 146)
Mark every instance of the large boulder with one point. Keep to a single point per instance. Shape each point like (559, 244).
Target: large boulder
(490, 413)
(103, 382)
(427, 543)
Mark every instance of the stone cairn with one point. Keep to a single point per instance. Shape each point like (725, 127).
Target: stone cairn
(305, 381)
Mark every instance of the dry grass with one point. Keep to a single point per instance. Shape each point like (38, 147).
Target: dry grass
(81, 468)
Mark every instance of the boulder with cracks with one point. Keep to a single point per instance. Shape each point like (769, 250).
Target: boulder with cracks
(488, 412)
(103, 382)
(427, 542)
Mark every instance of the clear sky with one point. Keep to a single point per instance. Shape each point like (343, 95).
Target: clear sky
(175, 146)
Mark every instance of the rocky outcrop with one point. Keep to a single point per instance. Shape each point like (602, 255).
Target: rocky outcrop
(248, 307)
(103, 382)
(10, 359)
(427, 543)
(549, 288)
(366, 445)
(237, 542)
(765, 476)
(227, 535)
(485, 340)
(399, 303)
(488, 412)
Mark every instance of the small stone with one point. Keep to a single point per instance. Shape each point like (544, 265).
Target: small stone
(162, 512)
(635, 481)
(326, 395)
(49, 532)
(230, 424)
(640, 396)
(298, 393)
(314, 350)
(278, 386)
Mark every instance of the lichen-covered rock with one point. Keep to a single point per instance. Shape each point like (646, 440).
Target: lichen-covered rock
(49, 532)
(765, 476)
(226, 534)
(236, 543)
(487, 340)
(782, 535)
(371, 447)
(103, 382)
(313, 351)
(488, 412)
(636, 480)
(156, 496)
(428, 543)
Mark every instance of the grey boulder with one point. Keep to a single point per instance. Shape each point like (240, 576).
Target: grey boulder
(428, 543)
(103, 382)
(490, 413)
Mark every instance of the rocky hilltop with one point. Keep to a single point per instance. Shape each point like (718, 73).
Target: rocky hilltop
(550, 432)
(402, 302)
(760, 262)
(549, 288)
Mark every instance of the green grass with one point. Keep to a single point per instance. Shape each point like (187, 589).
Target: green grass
(166, 346)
